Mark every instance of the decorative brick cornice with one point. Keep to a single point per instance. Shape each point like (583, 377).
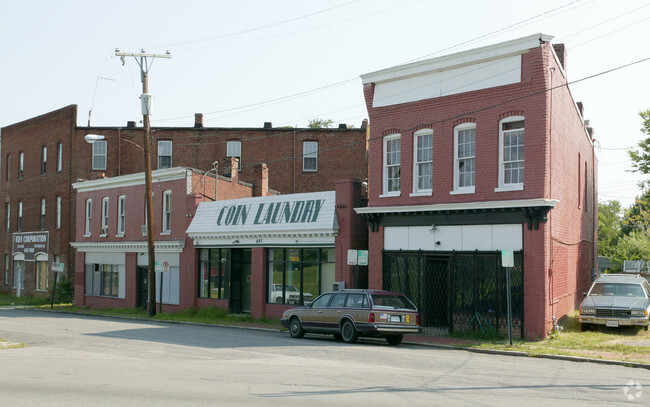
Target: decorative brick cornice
(390, 131)
(511, 113)
(464, 120)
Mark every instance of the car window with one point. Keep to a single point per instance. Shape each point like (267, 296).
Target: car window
(321, 301)
(356, 301)
(617, 290)
(392, 301)
(338, 301)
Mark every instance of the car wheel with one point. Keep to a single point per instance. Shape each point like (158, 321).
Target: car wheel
(585, 327)
(349, 332)
(394, 340)
(645, 328)
(295, 328)
(338, 337)
(278, 300)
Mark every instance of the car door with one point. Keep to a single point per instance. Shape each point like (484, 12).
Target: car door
(313, 316)
(332, 315)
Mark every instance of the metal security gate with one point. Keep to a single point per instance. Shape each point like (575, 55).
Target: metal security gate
(450, 288)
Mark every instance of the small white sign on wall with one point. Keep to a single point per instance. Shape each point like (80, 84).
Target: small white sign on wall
(507, 258)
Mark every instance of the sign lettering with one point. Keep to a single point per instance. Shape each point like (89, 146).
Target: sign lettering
(306, 211)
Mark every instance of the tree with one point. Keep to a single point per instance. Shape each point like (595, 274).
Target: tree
(635, 246)
(636, 216)
(609, 227)
(319, 123)
(641, 158)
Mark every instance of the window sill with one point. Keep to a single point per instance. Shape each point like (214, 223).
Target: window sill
(119, 235)
(103, 235)
(462, 191)
(166, 233)
(309, 170)
(516, 187)
(390, 195)
(422, 193)
(87, 235)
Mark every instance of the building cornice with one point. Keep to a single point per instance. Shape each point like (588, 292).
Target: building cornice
(164, 246)
(464, 206)
(122, 181)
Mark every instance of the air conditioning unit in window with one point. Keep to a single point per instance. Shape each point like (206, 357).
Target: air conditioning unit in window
(104, 231)
(144, 230)
(338, 285)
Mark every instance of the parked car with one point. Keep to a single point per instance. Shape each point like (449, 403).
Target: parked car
(348, 314)
(291, 294)
(616, 300)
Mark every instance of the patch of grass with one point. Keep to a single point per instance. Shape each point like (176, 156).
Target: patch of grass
(6, 299)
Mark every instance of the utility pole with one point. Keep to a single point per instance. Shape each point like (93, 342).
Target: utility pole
(147, 100)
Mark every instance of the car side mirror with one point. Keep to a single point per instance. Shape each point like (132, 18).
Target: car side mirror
(308, 304)
(584, 293)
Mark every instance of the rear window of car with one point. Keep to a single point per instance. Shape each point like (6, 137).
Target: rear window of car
(391, 301)
(617, 290)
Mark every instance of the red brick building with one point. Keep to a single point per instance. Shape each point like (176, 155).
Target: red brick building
(471, 154)
(44, 155)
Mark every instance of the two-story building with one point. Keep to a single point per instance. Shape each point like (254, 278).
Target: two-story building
(472, 154)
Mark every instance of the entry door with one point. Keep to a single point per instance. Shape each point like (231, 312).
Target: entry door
(435, 304)
(240, 281)
(19, 276)
(142, 287)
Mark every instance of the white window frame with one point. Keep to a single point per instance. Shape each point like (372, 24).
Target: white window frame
(167, 213)
(97, 155)
(7, 217)
(59, 157)
(19, 217)
(121, 215)
(470, 189)
(503, 187)
(43, 160)
(21, 164)
(233, 149)
(89, 217)
(6, 279)
(41, 275)
(387, 140)
(417, 163)
(165, 149)
(42, 219)
(310, 155)
(104, 226)
(58, 212)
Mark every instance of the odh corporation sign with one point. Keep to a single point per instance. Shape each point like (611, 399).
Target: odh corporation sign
(31, 243)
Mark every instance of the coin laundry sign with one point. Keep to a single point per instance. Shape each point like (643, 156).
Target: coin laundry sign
(289, 212)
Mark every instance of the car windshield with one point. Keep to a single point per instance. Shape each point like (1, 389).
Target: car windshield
(617, 290)
(392, 301)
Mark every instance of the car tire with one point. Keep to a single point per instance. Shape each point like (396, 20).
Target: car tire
(585, 327)
(394, 340)
(349, 332)
(295, 328)
(338, 337)
(278, 300)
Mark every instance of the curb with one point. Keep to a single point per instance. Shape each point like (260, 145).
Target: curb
(406, 342)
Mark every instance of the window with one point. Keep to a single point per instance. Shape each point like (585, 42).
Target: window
(423, 161)
(464, 153)
(102, 279)
(99, 155)
(233, 149)
(6, 273)
(310, 156)
(43, 160)
(42, 220)
(58, 213)
(41, 275)
(213, 278)
(89, 211)
(164, 154)
(167, 212)
(121, 214)
(8, 168)
(7, 217)
(21, 164)
(299, 275)
(511, 154)
(59, 157)
(579, 182)
(586, 187)
(19, 219)
(104, 230)
(392, 152)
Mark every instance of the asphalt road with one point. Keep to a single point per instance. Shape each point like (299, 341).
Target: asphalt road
(75, 360)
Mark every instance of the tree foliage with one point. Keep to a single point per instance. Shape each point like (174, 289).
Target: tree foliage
(641, 156)
(609, 227)
(635, 246)
(319, 123)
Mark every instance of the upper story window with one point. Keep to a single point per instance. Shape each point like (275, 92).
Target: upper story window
(423, 161)
(7, 216)
(19, 218)
(121, 215)
(233, 149)
(99, 155)
(464, 158)
(43, 160)
(104, 229)
(310, 156)
(42, 222)
(164, 154)
(89, 214)
(511, 154)
(59, 157)
(21, 164)
(58, 213)
(8, 168)
(167, 212)
(392, 155)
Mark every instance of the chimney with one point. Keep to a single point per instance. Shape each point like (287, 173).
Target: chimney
(581, 109)
(198, 120)
(234, 169)
(130, 124)
(364, 124)
(268, 125)
(343, 126)
(560, 50)
(261, 184)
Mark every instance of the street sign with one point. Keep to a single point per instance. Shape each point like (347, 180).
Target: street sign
(162, 266)
(352, 257)
(58, 267)
(507, 258)
(362, 257)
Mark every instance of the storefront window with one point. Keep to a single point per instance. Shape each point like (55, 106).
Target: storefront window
(213, 279)
(102, 279)
(41, 275)
(296, 276)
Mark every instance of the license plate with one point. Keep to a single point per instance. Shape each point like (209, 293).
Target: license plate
(395, 318)
(613, 324)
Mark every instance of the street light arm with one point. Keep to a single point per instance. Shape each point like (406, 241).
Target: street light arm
(91, 138)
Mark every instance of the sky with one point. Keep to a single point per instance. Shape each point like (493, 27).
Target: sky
(243, 63)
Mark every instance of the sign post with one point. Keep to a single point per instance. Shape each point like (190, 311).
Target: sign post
(508, 261)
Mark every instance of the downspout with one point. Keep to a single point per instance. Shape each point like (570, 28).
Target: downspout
(551, 270)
